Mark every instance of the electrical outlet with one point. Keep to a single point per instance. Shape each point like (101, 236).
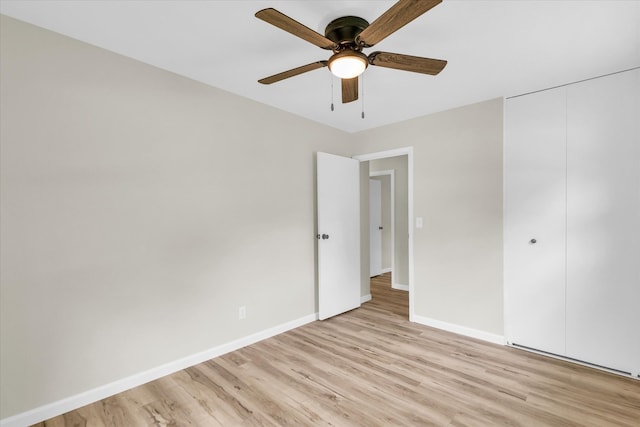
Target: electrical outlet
(242, 312)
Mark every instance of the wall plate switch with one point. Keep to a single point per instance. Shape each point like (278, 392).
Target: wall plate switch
(419, 222)
(242, 312)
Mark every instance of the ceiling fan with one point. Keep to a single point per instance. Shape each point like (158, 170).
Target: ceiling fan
(347, 36)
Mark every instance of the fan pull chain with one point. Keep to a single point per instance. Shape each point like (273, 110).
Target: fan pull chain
(362, 97)
(331, 76)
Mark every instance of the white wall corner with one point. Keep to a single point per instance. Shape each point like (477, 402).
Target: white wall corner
(400, 287)
(460, 330)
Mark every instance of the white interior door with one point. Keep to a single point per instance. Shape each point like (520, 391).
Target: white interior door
(338, 180)
(375, 227)
(534, 239)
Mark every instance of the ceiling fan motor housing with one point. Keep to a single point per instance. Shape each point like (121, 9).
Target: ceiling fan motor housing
(344, 30)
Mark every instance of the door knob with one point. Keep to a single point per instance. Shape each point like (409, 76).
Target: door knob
(533, 241)
(380, 228)
(325, 236)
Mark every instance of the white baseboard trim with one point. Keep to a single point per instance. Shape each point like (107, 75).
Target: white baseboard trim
(54, 409)
(400, 287)
(461, 330)
(365, 298)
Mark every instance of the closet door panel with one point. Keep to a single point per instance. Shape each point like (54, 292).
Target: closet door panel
(535, 198)
(603, 221)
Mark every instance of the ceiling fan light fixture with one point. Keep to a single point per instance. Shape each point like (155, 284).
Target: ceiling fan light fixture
(348, 64)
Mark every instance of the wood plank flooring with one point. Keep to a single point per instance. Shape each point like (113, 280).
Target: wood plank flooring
(371, 367)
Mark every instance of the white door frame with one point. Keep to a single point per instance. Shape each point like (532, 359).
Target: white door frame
(392, 176)
(375, 227)
(405, 151)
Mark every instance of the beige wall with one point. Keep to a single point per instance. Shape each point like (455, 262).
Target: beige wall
(365, 284)
(139, 210)
(458, 192)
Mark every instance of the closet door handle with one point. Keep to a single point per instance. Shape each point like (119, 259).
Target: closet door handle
(533, 241)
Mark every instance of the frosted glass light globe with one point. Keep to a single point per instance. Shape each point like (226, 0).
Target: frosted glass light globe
(348, 64)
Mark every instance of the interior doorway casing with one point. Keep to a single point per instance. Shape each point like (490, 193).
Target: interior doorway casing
(405, 151)
(391, 174)
(376, 227)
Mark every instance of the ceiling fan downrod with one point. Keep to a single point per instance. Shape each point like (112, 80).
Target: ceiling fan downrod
(343, 32)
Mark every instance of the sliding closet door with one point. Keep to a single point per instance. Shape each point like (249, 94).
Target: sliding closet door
(534, 240)
(603, 221)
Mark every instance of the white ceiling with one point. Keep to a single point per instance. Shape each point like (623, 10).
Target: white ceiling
(494, 48)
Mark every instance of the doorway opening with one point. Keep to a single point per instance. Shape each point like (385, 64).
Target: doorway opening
(381, 222)
(397, 260)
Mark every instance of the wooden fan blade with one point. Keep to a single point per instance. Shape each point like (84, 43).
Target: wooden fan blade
(407, 63)
(293, 72)
(292, 26)
(396, 17)
(349, 90)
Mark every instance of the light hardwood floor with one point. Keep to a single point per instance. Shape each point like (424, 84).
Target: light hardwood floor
(371, 367)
